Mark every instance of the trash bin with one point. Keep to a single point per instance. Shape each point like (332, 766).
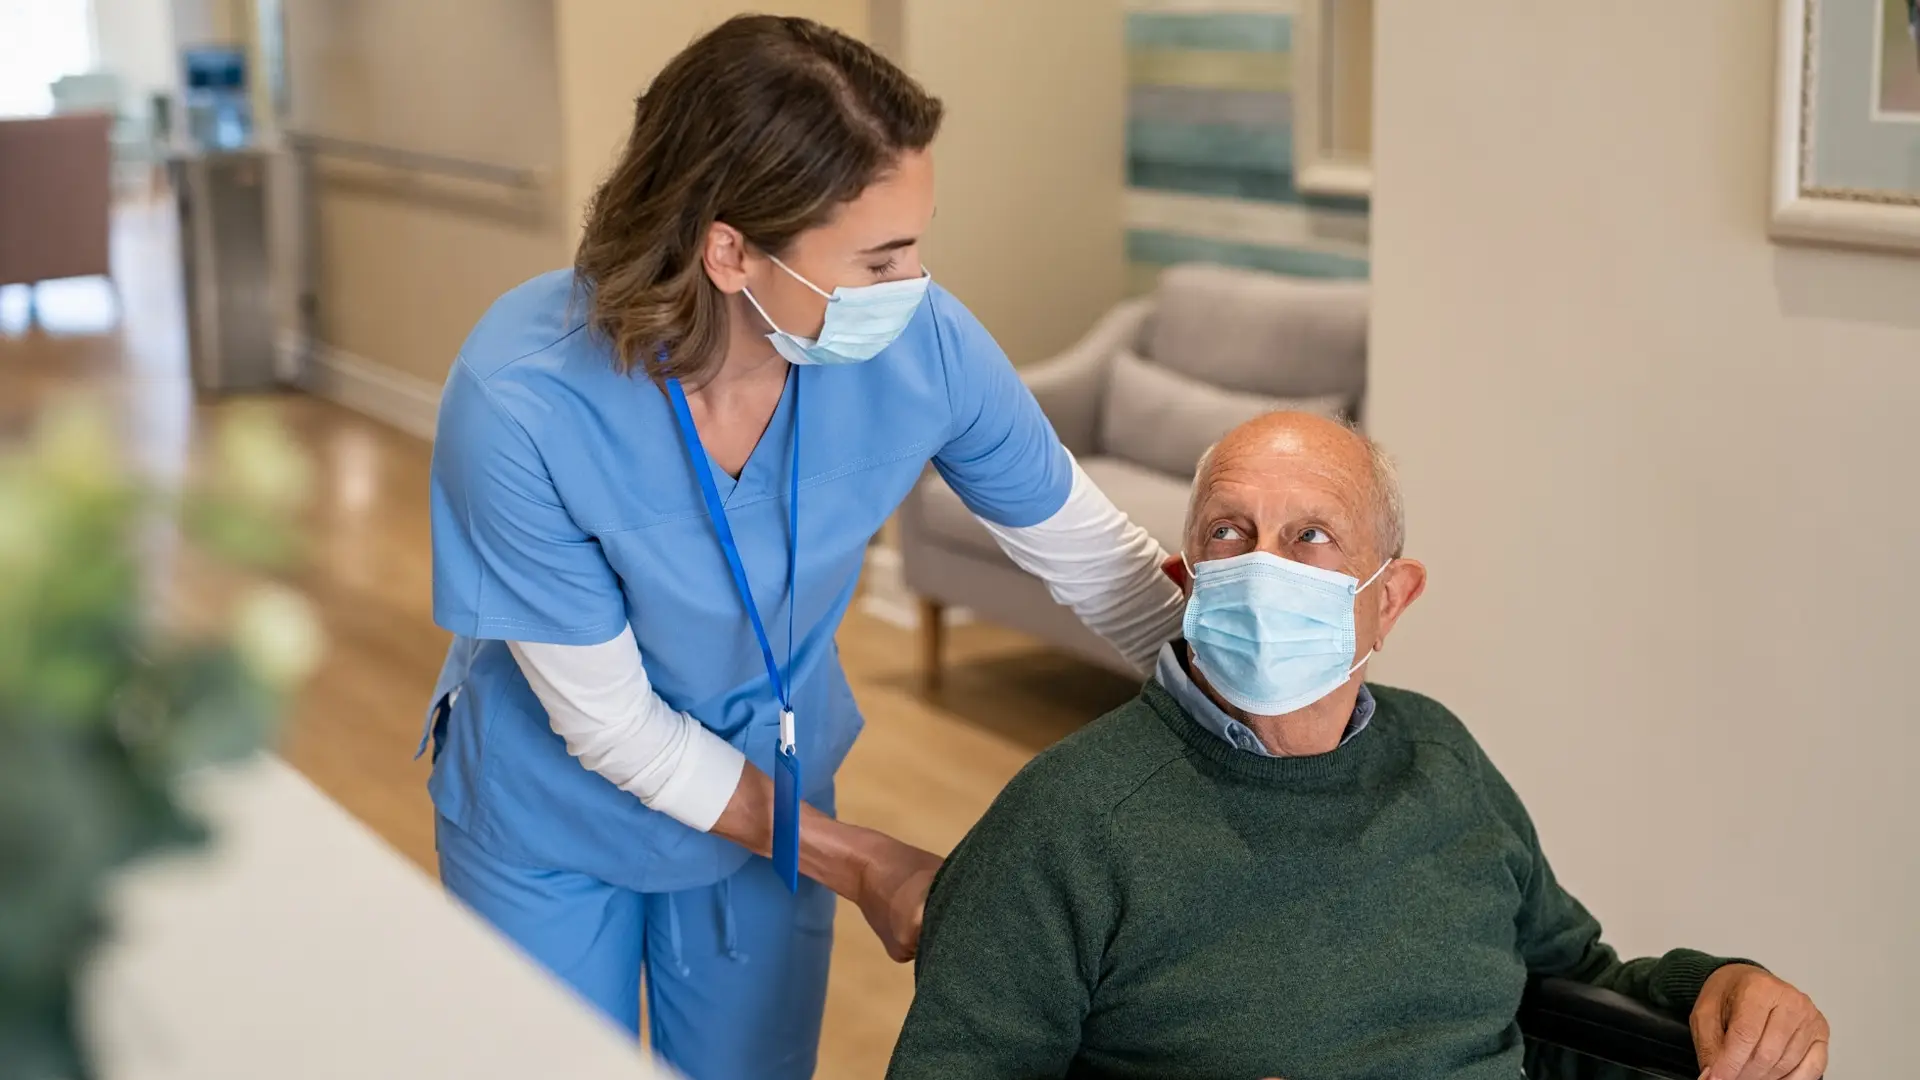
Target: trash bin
(221, 198)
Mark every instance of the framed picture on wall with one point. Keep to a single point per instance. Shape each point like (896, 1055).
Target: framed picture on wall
(1333, 98)
(1847, 153)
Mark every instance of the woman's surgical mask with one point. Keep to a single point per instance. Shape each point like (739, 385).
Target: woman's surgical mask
(861, 320)
(1272, 635)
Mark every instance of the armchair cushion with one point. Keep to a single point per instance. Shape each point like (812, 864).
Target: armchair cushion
(1165, 420)
(1069, 386)
(1261, 333)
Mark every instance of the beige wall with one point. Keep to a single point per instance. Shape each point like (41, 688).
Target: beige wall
(136, 43)
(610, 49)
(1029, 232)
(406, 264)
(1663, 472)
(198, 22)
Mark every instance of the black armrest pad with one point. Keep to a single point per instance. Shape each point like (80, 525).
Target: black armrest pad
(1607, 1025)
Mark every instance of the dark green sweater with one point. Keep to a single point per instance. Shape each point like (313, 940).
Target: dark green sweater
(1144, 900)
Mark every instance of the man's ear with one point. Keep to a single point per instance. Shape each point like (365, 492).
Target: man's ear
(1400, 586)
(1174, 568)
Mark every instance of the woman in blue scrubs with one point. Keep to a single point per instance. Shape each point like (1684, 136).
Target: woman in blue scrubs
(654, 483)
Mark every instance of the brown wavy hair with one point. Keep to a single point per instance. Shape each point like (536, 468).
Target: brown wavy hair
(768, 124)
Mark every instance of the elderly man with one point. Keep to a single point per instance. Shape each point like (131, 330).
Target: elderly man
(1262, 866)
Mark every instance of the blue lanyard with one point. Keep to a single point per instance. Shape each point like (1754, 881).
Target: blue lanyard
(703, 471)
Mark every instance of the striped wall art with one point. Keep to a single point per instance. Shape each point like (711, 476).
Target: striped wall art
(1210, 146)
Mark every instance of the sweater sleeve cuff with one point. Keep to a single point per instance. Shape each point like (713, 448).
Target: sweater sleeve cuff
(1683, 973)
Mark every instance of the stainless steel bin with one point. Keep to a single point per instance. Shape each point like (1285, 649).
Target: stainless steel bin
(221, 198)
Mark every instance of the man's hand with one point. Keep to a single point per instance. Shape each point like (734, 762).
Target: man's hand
(1749, 1025)
(892, 892)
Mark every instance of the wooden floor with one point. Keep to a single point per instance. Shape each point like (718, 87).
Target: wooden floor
(925, 769)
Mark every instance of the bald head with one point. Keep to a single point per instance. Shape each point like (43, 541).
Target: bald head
(1318, 488)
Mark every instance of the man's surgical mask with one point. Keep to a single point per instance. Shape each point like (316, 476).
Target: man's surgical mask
(1272, 635)
(861, 320)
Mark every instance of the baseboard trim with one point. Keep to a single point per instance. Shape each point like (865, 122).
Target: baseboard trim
(406, 402)
(884, 594)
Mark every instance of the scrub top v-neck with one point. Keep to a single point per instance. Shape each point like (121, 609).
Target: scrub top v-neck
(564, 509)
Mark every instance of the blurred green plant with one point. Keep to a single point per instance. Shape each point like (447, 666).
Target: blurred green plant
(104, 704)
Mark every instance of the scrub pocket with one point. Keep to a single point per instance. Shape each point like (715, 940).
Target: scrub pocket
(453, 677)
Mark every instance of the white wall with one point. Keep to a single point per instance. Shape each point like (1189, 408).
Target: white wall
(1029, 161)
(202, 22)
(136, 43)
(1664, 474)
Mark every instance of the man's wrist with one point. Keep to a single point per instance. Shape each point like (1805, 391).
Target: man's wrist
(1683, 974)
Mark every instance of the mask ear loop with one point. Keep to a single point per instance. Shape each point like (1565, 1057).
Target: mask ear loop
(796, 276)
(1362, 662)
(1362, 587)
(748, 293)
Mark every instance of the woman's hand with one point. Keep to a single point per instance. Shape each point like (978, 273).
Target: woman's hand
(887, 878)
(892, 893)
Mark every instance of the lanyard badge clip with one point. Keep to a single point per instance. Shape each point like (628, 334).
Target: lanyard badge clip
(786, 805)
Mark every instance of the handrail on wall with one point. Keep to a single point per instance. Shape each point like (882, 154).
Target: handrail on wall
(486, 172)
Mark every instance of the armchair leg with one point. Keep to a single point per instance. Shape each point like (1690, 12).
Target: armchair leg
(933, 638)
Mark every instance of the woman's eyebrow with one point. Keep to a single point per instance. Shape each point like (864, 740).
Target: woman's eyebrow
(891, 245)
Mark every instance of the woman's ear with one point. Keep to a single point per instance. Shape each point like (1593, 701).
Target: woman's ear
(724, 254)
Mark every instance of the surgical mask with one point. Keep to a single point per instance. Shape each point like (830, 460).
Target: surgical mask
(861, 320)
(1272, 635)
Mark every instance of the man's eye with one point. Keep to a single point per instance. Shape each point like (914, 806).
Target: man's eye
(1225, 532)
(1313, 534)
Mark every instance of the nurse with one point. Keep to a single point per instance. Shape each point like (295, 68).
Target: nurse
(653, 487)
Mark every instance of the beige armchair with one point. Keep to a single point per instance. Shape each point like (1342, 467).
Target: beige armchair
(56, 197)
(1156, 381)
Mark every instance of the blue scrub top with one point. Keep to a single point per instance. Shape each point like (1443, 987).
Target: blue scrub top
(565, 507)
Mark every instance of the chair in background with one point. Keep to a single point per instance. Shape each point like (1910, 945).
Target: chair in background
(1137, 400)
(135, 153)
(56, 198)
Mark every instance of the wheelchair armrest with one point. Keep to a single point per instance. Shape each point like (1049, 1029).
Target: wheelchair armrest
(1606, 1025)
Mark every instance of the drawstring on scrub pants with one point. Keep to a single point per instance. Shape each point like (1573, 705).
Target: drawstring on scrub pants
(729, 932)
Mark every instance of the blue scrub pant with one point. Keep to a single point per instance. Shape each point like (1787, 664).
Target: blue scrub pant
(735, 973)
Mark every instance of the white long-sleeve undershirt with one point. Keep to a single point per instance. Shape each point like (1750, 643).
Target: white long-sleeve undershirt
(598, 697)
(1103, 567)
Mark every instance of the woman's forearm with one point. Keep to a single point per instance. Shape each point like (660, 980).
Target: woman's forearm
(832, 853)
(1103, 567)
(598, 699)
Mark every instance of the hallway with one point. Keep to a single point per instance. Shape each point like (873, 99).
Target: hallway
(924, 770)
